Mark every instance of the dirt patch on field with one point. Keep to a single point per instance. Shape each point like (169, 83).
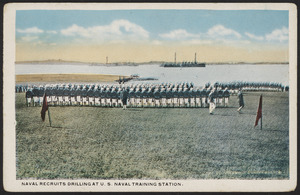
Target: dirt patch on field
(66, 78)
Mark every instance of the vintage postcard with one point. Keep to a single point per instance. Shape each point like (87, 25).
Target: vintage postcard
(182, 97)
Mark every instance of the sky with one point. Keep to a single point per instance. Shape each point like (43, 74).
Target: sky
(152, 35)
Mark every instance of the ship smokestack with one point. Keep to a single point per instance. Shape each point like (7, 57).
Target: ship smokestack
(195, 58)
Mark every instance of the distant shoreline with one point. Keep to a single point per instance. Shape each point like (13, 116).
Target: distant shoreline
(62, 62)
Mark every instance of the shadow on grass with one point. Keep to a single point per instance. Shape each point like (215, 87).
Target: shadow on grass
(246, 113)
(223, 114)
(134, 109)
(225, 107)
(275, 130)
(54, 126)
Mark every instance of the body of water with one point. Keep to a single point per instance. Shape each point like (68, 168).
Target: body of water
(199, 76)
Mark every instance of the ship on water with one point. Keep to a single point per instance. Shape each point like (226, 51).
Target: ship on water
(183, 64)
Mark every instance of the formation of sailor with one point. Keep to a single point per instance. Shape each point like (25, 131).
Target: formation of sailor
(140, 95)
(22, 88)
(233, 87)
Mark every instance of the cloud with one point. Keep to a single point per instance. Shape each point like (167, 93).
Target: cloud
(278, 35)
(179, 34)
(198, 42)
(252, 36)
(118, 29)
(215, 34)
(33, 30)
(75, 30)
(218, 34)
(51, 32)
(29, 38)
(219, 31)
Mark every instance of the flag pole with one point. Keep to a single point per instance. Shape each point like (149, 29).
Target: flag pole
(49, 116)
(261, 115)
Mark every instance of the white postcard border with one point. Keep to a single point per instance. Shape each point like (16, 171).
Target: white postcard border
(9, 123)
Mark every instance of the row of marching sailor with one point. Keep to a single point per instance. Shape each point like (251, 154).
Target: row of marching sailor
(173, 97)
(233, 87)
(59, 94)
(21, 88)
(159, 95)
(138, 96)
(219, 95)
(264, 86)
(252, 86)
(86, 95)
(34, 96)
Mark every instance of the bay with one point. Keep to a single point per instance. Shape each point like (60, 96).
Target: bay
(276, 73)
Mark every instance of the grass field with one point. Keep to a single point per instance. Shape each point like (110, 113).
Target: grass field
(155, 143)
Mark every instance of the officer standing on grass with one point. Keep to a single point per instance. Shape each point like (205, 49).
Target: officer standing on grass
(212, 97)
(226, 97)
(124, 97)
(241, 100)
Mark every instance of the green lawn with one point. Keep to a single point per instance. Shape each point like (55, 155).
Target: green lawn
(155, 143)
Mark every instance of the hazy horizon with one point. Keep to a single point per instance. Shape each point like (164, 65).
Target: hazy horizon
(62, 61)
